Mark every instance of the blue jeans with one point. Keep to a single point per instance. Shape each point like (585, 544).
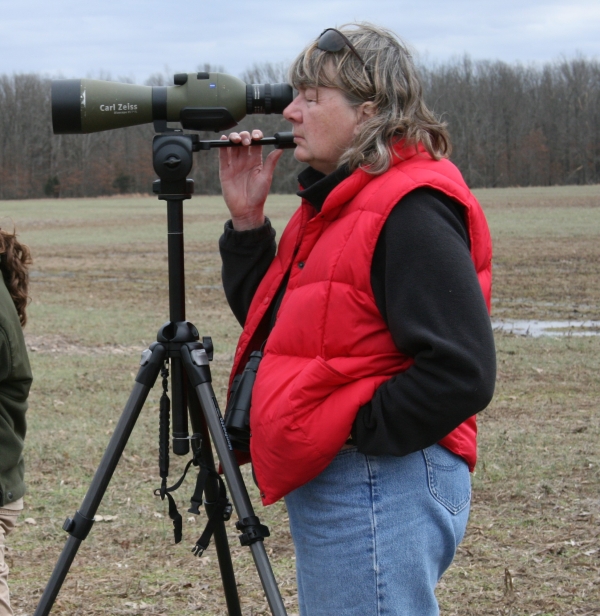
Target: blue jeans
(374, 534)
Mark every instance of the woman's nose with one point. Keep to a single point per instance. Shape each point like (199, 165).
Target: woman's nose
(290, 112)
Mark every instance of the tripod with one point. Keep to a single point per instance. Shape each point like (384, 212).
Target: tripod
(178, 345)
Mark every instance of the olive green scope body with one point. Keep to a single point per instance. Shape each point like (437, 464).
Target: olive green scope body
(198, 101)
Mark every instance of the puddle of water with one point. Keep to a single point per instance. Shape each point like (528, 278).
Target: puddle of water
(535, 328)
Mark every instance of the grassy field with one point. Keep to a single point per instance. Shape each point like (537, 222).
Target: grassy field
(99, 288)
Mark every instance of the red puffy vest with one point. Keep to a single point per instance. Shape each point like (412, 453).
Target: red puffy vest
(330, 348)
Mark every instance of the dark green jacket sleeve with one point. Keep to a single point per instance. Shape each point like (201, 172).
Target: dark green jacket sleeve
(15, 381)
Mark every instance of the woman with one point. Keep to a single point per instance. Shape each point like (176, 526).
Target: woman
(15, 381)
(373, 315)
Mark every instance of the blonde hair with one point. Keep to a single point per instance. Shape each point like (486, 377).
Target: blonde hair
(389, 80)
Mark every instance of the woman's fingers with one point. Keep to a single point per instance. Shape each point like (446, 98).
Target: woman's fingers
(245, 137)
(271, 162)
(241, 157)
(245, 178)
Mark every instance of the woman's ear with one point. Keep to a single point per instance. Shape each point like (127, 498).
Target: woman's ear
(366, 111)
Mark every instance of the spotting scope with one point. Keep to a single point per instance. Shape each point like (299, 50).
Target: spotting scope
(198, 101)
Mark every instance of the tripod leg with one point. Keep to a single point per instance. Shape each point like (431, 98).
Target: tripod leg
(212, 493)
(79, 526)
(196, 364)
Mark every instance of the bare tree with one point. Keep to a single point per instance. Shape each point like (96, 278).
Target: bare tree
(510, 125)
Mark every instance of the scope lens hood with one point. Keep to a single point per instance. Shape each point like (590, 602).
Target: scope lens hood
(66, 106)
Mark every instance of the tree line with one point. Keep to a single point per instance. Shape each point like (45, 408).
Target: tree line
(510, 125)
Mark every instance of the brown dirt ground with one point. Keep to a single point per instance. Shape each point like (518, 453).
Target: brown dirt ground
(533, 543)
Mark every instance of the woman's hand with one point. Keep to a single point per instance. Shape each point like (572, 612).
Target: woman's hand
(246, 179)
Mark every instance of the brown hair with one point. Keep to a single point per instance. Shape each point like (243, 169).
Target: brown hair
(389, 80)
(15, 259)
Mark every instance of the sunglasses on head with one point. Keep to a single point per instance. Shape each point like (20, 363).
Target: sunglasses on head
(333, 40)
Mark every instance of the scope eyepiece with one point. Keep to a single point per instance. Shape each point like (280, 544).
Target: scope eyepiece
(268, 98)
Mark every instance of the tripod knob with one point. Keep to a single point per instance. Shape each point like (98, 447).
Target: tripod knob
(207, 343)
(172, 157)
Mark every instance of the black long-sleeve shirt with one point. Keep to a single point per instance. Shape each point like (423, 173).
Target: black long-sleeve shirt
(427, 291)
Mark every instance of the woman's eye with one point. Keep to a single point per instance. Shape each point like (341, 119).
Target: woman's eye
(310, 96)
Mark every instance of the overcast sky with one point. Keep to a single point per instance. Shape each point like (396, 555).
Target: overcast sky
(136, 38)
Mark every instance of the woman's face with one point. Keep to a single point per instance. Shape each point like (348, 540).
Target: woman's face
(324, 126)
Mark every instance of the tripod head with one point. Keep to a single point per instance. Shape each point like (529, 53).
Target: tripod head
(172, 157)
